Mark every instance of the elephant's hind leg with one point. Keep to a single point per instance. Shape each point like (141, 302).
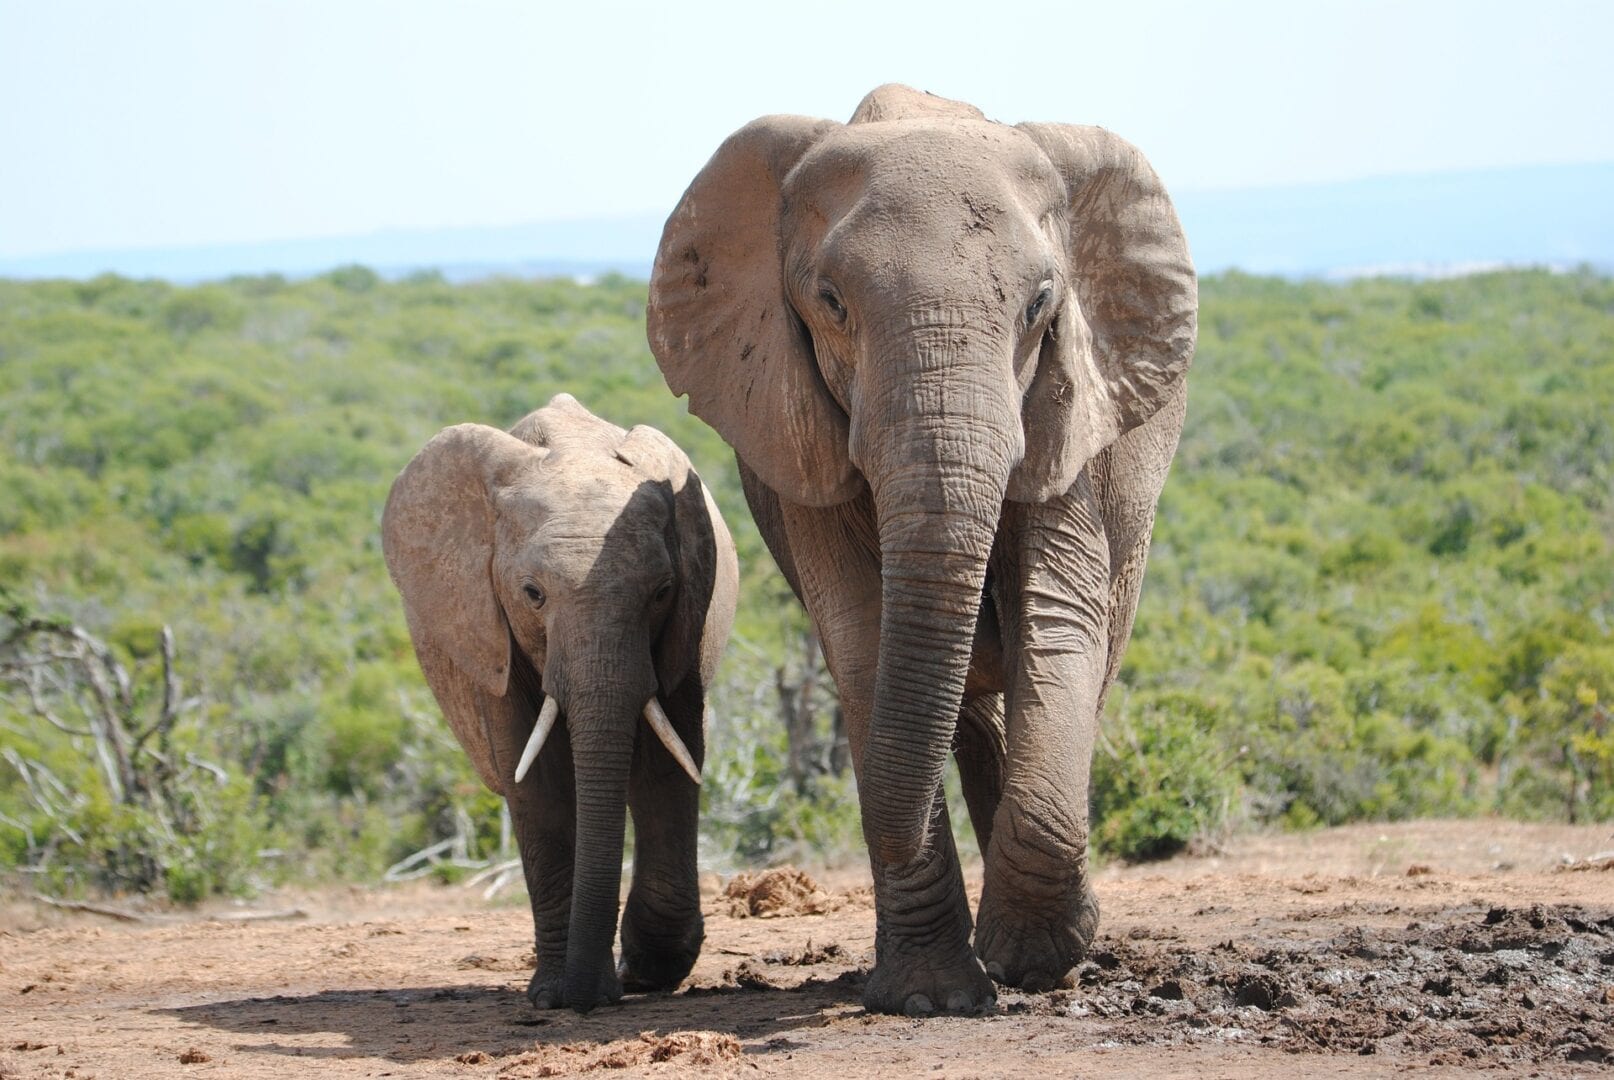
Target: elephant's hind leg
(923, 962)
(543, 813)
(980, 749)
(662, 927)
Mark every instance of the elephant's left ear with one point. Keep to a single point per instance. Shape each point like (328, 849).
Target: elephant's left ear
(723, 330)
(708, 578)
(1118, 354)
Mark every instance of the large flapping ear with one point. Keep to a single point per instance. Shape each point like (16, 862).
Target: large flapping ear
(437, 535)
(894, 101)
(1114, 357)
(697, 537)
(724, 332)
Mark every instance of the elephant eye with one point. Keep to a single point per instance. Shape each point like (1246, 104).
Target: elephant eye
(832, 301)
(534, 593)
(1044, 294)
(663, 592)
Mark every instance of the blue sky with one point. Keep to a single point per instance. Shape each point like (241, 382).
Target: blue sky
(162, 123)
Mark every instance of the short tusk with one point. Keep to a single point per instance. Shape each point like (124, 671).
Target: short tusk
(669, 738)
(540, 732)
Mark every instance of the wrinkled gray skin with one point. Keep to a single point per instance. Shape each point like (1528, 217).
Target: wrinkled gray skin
(949, 355)
(573, 559)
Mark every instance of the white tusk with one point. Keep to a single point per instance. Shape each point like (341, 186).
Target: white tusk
(540, 732)
(669, 738)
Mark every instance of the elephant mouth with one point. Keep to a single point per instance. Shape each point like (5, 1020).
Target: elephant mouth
(653, 714)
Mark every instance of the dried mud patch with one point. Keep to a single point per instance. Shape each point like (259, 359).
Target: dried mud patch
(1507, 986)
(810, 955)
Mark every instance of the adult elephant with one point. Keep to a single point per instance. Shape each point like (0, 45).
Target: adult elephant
(949, 355)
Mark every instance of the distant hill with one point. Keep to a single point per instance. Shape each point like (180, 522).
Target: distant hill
(1424, 225)
(1559, 215)
(580, 249)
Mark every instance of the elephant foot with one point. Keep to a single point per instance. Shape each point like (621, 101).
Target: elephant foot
(926, 986)
(658, 958)
(1035, 950)
(547, 991)
(590, 988)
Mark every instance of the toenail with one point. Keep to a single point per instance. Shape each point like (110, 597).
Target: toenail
(918, 1005)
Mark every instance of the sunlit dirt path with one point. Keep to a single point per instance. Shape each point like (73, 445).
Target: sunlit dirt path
(1432, 947)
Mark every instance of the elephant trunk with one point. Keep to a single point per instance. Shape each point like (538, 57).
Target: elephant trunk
(947, 443)
(600, 767)
(603, 693)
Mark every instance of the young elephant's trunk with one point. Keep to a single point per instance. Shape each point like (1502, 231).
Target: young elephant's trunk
(603, 687)
(602, 734)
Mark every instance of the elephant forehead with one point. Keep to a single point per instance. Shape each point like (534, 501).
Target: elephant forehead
(578, 547)
(627, 551)
(577, 515)
(910, 163)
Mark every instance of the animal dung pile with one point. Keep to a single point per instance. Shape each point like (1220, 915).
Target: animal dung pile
(781, 891)
(689, 1047)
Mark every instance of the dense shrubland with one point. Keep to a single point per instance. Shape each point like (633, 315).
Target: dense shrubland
(1382, 583)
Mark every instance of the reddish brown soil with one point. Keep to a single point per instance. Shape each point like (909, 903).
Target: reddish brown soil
(1431, 947)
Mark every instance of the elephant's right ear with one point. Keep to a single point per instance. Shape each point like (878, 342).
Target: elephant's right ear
(723, 331)
(1120, 352)
(437, 534)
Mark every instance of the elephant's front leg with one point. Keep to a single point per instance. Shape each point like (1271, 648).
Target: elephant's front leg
(923, 960)
(543, 814)
(1038, 913)
(662, 928)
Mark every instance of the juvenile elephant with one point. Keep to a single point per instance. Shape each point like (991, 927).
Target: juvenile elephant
(572, 582)
(949, 355)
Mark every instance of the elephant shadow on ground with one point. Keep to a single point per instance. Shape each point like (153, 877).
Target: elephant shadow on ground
(474, 1024)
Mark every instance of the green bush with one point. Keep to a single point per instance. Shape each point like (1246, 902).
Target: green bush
(1161, 779)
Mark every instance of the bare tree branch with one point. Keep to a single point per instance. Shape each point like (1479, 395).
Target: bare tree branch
(30, 683)
(59, 674)
(215, 771)
(22, 827)
(93, 909)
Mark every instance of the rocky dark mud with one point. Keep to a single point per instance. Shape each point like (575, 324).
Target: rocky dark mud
(1500, 986)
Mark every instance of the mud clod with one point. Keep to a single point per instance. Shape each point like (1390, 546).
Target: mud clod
(808, 956)
(1170, 990)
(1263, 992)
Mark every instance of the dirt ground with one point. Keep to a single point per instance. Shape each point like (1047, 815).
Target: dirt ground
(1431, 947)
